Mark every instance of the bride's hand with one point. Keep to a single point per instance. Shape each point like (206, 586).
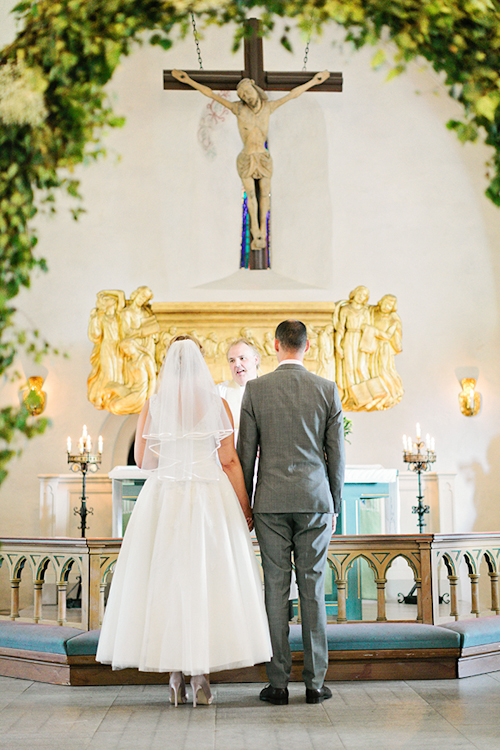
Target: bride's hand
(249, 518)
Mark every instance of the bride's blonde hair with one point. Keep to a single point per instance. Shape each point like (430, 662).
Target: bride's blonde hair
(186, 337)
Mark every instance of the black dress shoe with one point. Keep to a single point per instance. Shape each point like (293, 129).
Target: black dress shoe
(317, 696)
(278, 696)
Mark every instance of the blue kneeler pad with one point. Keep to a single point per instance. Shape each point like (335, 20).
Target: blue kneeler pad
(477, 632)
(363, 636)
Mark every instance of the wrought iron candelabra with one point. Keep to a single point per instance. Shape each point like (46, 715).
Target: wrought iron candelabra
(84, 461)
(419, 455)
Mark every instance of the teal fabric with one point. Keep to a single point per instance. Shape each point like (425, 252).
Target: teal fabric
(476, 632)
(362, 636)
(83, 644)
(49, 639)
(359, 636)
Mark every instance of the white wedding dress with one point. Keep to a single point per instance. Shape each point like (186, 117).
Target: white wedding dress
(187, 592)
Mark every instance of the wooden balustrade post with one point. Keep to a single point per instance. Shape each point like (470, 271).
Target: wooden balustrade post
(341, 599)
(418, 583)
(453, 596)
(381, 616)
(94, 589)
(61, 602)
(102, 591)
(494, 592)
(14, 598)
(37, 600)
(474, 591)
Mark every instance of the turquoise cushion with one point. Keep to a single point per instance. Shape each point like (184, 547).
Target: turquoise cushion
(362, 636)
(83, 644)
(476, 632)
(49, 639)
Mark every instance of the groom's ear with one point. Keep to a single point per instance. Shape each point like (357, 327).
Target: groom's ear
(276, 345)
(307, 346)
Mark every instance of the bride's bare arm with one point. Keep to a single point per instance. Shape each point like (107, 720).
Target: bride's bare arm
(232, 468)
(140, 443)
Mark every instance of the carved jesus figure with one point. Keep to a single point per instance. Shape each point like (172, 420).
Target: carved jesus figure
(254, 163)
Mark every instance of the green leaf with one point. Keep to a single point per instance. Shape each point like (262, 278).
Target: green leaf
(487, 106)
(378, 59)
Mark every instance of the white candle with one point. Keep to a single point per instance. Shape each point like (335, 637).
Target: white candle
(433, 445)
(84, 433)
(80, 445)
(68, 443)
(100, 443)
(418, 431)
(89, 444)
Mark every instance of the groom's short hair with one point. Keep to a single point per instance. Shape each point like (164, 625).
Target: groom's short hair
(292, 335)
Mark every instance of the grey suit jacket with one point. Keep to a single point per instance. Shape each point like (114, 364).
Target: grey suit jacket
(294, 419)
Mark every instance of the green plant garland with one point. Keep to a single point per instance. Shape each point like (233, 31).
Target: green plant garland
(53, 109)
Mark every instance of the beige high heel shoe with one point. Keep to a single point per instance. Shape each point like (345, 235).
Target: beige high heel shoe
(201, 690)
(177, 688)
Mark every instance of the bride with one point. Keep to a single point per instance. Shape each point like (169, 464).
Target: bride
(186, 595)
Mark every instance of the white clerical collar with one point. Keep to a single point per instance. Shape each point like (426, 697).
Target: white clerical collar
(291, 362)
(235, 385)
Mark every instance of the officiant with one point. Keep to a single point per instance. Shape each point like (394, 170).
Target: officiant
(244, 361)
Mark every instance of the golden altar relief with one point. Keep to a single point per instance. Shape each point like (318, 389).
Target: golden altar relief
(125, 334)
(351, 342)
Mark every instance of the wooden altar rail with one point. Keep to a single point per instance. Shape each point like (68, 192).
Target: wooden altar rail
(93, 561)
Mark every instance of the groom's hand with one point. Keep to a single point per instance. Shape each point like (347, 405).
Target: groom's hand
(249, 519)
(334, 523)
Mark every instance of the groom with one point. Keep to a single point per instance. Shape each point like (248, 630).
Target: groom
(294, 419)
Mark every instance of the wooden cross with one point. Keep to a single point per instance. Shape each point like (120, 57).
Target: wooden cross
(227, 80)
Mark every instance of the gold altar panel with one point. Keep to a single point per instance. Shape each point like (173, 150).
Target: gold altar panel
(351, 342)
(217, 324)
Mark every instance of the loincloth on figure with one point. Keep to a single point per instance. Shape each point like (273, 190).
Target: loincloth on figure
(255, 165)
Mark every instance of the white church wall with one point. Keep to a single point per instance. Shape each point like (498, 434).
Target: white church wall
(369, 188)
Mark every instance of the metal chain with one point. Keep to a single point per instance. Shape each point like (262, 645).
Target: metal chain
(306, 55)
(196, 40)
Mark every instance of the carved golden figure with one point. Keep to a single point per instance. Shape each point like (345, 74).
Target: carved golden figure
(139, 379)
(388, 338)
(367, 337)
(351, 317)
(325, 358)
(124, 334)
(254, 163)
(104, 332)
(268, 345)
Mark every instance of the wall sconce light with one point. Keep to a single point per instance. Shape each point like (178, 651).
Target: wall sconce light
(468, 398)
(33, 398)
(31, 395)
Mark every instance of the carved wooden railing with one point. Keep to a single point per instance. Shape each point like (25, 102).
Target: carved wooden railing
(92, 560)
(380, 552)
(467, 550)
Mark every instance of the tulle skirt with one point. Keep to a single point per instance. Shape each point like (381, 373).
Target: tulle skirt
(187, 591)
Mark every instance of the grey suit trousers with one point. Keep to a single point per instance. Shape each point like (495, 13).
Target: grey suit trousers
(307, 535)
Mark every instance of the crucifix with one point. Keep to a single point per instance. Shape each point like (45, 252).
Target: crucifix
(254, 163)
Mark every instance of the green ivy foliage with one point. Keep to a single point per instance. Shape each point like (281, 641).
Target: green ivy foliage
(54, 110)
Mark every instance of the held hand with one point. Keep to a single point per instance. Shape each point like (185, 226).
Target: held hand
(249, 520)
(321, 77)
(334, 524)
(247, 512)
